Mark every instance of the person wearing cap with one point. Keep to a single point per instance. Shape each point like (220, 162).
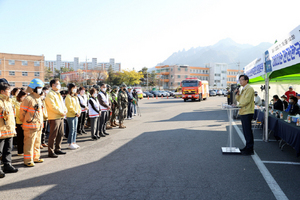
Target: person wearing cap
(130, 103)
(108, 124)
(31, 115)
(290, 93)
(104, 105)
(7, 128)
(135, 102)
(123, 103)
(277, 105)
(284, 101)
(114, 107)
(246, 105)
(56, 114)
(257, 99)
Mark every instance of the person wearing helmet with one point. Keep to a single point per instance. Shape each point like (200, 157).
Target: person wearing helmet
(114, 107)
(7, 128)
(31, 115)
(123, 103)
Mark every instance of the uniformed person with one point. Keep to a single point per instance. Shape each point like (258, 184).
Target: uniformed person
(31, 114)
(114, 107)
(108, 124)
(122, 102)
(7, 128)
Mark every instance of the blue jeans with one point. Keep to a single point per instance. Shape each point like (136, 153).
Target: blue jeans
(72, 123)
(134, 109)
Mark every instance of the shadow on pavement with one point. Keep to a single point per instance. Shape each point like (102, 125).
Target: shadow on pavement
(172, 164)
(198, 116)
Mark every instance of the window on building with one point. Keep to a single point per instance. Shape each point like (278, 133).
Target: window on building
(0, 61)
(178, 83)
(24, 73)
(24, 84)
(24, 62)
(13, 84)
(186, 70)
(36, 63)
(0, 72)
(178, 76)
(171, 69)
(178, 69)
(186, 76)
(191, 71)
(11, 73)
(11, 62)
(171, 83)
(37, 74)
(171, 76)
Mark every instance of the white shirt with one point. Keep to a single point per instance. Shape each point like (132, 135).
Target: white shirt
(257, 100)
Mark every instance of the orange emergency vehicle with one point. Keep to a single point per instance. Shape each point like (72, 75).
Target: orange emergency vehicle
(194, 89)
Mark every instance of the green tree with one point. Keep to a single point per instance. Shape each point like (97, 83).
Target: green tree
(48, 74)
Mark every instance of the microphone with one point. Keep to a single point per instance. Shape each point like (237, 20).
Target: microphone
(238, 88)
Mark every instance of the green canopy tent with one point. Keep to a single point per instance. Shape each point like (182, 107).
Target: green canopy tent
(279, 64)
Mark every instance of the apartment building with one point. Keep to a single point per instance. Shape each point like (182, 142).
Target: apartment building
(87, 64)
(170, 76)
(20, 69)
(217, 74)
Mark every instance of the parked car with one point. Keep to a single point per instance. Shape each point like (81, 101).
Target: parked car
(156, 93)
(171, 93)
(219, 92)
(148, 94)
(212, 93)
(164, 93)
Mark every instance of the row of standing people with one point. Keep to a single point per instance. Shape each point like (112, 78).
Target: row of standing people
(37, 106)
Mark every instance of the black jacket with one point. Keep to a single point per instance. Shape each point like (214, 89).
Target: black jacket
(278, 105)
(294, 109)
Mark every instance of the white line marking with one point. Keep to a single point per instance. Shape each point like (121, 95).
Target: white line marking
(273, 185)
(281, 162)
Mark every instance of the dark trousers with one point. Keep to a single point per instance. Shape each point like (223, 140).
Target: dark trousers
(94, 126)
(129, 114)
(66, 128)
(20, 138)
(44, 132)
(247, 130)
(102, 122)
(5, 150)
(81, 122)
(56, 135)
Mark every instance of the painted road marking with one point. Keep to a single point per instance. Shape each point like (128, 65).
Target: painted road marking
(273, 185)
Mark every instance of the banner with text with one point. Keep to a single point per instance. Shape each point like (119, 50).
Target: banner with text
(255, 68)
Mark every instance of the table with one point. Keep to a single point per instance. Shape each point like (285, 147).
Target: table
(288, 132)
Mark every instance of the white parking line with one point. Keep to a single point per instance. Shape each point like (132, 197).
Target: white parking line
(281, 162)
(261, 140)
(275, 188)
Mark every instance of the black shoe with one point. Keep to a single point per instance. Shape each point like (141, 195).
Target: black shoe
(98, 136)
(101, 135)
(8, 168)
(52, 155)
(60, 152)
(2, 174)
(84, 132)
(79, 133)
(243, 149)
(248, 152)
(94, 138)
(106, 133)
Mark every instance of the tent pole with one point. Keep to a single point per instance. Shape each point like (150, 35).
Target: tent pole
(266, 133)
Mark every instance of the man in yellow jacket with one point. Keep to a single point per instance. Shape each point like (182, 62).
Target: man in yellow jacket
(56, 112)
(7, 128)
(246, 103)
(31, 115)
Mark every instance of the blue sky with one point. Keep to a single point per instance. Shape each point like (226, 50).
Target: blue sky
(137, 33)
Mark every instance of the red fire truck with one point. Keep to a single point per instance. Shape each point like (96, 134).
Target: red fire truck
(194, 89)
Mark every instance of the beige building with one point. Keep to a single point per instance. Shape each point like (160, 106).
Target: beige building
(20, 69)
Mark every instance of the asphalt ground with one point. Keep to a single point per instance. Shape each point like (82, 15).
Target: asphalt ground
(173, 151)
